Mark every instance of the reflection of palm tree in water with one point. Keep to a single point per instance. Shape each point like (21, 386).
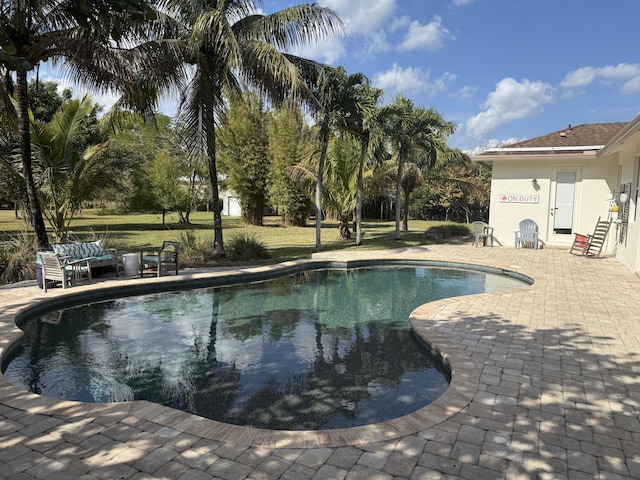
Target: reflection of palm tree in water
(34, 367)
(208, 387)
(332, 388)
(347, 362)
(342, 369)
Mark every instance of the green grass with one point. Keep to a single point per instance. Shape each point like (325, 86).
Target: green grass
(134, 231)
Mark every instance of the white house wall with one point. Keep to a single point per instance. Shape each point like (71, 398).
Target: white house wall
(514, 197)
(230, 204)
(627, 157)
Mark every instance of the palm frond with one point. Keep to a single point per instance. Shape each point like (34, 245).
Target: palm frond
(292, 28)
(272, 73)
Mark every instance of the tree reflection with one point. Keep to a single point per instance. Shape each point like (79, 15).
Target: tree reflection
(323, 349)
(334, 390)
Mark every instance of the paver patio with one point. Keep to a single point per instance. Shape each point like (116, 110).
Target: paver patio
(545, 385)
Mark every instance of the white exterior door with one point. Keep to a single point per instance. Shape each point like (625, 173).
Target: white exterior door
(563, 208)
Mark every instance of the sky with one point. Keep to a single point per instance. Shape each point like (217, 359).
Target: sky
(501, 70)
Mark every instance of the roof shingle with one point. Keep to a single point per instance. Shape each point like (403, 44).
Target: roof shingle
(588, 134)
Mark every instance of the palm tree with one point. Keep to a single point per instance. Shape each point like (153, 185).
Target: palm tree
(411, 177)
(339, 184)
(217, 46)
(66, 170)
(85, 36)
(364, 123)
(342, 100)
(417, 135)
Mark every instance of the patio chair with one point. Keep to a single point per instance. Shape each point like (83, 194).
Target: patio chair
(527, 235)
(157, 260)
(63, 269)
(591, 245)
(481, 231)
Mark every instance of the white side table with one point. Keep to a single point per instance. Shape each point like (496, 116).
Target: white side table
(131, 264)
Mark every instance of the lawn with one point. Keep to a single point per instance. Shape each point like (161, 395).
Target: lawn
(131, 232)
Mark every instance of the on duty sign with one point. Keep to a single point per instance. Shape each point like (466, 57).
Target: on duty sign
(519, 198)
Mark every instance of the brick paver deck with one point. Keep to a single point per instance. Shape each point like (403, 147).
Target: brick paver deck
(545, 385)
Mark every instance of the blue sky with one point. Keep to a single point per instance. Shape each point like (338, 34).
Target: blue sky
(502, 70)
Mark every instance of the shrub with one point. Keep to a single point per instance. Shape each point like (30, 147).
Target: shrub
(447, 230)
(245, 246)
(18, 258)
(194, 251)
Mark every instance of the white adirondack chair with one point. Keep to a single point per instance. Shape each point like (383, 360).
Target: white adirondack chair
(527, 236)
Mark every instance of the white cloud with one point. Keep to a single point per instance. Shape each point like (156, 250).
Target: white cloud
(628, 74)
(377, 43)
(430, 36)
(491, 144)
(411, 81)
(511, 100)
(460, 3)
(325, 51)
(632, 86)
(400, 22)
(465, 92)
(362, 16)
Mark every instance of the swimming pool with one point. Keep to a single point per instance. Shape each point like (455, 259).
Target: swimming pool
(320, 349)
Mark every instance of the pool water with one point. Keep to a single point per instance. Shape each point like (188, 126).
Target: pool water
(317, 350)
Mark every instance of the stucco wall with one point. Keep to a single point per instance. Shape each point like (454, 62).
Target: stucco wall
(628, 249)
(231, 204)
(512, 190)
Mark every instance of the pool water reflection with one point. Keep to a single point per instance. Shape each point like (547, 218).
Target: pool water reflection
(317, 350)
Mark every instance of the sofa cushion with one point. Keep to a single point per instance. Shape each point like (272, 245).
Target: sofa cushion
(107, 257)
(92, 249)
(79, 250)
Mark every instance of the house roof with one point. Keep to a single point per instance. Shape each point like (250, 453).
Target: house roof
(589, 137)
(588, 134)
(632, 127)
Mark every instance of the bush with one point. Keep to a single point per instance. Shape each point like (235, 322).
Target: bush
(18, 258)
(447, 230)
(245, 246)
(194, 251)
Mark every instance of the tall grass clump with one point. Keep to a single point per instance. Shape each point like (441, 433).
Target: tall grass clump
(446, 231)
(245, 246)
(18, 258)
(194, 251)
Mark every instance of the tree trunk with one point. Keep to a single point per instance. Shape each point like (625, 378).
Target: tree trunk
(35, 211)
(345, 233)
(253, 213)
(398, 196)
(218, 244)
(324, 140)
(359, 197)
(405, 212)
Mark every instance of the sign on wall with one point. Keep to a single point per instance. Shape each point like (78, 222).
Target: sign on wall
(519, 198)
